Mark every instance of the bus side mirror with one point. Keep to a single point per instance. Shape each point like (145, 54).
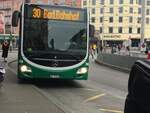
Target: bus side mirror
(91, 30)
(15, 18)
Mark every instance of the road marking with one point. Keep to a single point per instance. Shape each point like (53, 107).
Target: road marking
(54, 100)
(86, 89)
(112, 111)
(12, 70)
(95, 97)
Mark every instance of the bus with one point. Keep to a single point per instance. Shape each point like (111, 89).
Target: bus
(53, 42)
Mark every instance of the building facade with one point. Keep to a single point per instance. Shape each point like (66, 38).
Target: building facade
(7, 7)
(2, 23)
(120, 20)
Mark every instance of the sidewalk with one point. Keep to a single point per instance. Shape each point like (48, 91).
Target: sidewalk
(11, 57)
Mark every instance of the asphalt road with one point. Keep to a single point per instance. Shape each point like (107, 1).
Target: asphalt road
(103, 92)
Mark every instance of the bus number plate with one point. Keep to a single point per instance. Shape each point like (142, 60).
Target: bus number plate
(54, 76)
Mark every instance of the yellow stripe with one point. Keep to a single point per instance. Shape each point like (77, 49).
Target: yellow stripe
(113, 111)
(94, 97)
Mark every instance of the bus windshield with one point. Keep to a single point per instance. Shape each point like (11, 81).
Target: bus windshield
(44, 38)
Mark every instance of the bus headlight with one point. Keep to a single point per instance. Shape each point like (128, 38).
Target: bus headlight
(82, 70)
(24, 68)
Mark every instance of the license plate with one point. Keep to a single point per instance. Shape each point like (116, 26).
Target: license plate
(54, 76)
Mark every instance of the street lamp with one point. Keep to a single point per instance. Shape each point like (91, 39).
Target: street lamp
(143, 22)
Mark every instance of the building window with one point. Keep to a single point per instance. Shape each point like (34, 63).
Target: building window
(111, 1)
(131, 1)
(131, 10)
(139, 20)
(120, 30)
(147, 20)
(111, 10)
(93, 10)
(148, 2)
(101, 19)
(139, 30)
(84, 3)
(147, 11)
(120, 19)
(130, 19)
(101, 10)
(102, 2)
(139, 2)
(120, 1)
(93, 2)
(139, 10)
(130, 29)
(101, 30)
(120, 9)
(111, 19)
(110, 29)
(93, 19)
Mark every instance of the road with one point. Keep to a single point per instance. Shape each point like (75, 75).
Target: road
(103, 92)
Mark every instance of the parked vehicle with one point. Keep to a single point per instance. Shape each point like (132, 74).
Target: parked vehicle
(2, 72)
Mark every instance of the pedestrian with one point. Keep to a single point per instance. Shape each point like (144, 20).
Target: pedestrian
(5, 48)
(101, 48)
(11, 46)
(119, 48)
(128, 48)
(94, 48)
(91, 52)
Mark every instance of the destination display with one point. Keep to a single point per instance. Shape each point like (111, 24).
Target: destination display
(53, 13)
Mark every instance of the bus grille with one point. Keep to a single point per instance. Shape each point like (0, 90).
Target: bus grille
(56, 63)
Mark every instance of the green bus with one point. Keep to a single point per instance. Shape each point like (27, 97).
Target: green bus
(53, 42)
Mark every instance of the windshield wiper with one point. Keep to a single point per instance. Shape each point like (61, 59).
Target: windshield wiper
(42, 55)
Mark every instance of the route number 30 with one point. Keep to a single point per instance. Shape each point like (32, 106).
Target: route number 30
(36, 13)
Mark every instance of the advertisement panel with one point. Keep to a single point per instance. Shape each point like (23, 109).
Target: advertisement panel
(2, 23)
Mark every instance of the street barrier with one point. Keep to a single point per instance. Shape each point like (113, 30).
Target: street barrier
(138, 98)
(120, 62)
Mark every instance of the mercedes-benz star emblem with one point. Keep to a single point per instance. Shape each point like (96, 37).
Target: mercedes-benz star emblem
(55, 64)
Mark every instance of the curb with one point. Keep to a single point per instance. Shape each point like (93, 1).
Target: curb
(11, 62)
